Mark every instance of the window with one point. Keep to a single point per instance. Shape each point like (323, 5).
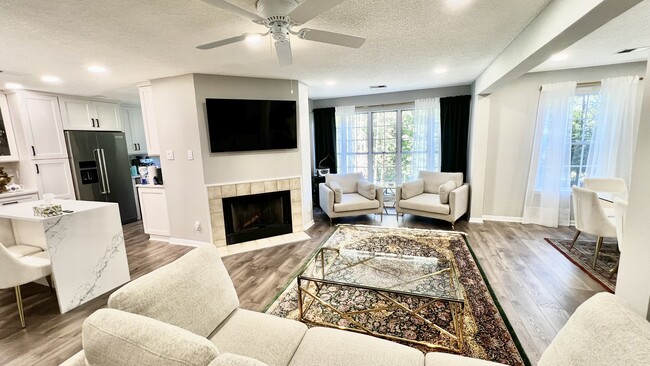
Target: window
(380, 144)
(585, 108)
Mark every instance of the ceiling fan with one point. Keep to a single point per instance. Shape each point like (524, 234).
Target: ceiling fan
(280, 16)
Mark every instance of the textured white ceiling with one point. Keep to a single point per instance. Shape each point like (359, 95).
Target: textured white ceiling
(142, 40)
(629, 30)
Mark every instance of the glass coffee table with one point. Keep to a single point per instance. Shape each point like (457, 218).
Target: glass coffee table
(354, 287)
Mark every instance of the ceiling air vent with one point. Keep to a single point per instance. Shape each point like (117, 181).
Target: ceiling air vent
(374, 87)
(628, 50)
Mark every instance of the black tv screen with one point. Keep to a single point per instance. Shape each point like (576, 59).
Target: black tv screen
(248, 125)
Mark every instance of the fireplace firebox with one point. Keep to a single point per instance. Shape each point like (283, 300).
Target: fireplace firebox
(257, 216)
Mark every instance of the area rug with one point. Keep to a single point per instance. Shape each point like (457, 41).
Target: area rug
(487, 333)
(582, 255)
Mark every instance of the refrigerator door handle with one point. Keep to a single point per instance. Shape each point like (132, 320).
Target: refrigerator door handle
(97, 154)
(108, 185)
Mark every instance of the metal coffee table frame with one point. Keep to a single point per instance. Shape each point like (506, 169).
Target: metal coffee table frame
(307, 285)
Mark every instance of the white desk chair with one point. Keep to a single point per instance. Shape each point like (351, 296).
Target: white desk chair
(620, 209)
(608, 188)
(590, 218)
(16, 270)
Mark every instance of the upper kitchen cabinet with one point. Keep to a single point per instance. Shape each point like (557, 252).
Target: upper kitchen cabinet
(41, 122)
(134, 130)
(8, 149)
(85, 114)
(149, 119)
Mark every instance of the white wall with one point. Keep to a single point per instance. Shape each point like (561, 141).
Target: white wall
(176, 117)
(393, 98)
(511, 132)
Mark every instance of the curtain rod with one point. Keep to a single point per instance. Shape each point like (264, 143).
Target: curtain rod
(383, 105)
(590, 83)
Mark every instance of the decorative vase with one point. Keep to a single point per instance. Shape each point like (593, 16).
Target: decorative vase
(4, 180)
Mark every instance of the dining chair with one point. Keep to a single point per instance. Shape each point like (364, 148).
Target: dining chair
(615, 186)
(18, 270)
(590, 218)
(620, 209)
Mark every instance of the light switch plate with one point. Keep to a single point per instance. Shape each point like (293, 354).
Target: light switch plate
(190, 155)
(170, 154)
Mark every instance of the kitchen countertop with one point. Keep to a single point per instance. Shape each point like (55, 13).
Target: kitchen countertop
(25, 211)
(159, 186)
(19, 193)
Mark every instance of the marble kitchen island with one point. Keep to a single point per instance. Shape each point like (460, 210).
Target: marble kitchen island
(86, 246)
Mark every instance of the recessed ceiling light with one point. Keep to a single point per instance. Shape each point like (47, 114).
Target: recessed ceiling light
(440, 70)
(330, 83)
(96, 69)
(559, 57)
(50, 79)
(13, 86)
(254, 38)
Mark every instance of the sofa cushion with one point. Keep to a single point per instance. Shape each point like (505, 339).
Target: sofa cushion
(337, 189)
(446, 359)
(194, 292)
(229, 359)
(333, 347)
(426, 202)
(604, 330)
(264, 337)
(355, 202)
(412, 189)
(445, 189)
(433, 180)
(78, 359)
(113, 337)
(366, 189)
(347, 181)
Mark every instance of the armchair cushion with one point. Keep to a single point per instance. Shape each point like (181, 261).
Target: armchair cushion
(355, 202)
(433, 180)
(366, 189)
(113, 337)
(337, 189)
(194, 292)
(347, 181)
(412, 189)
(444, 190)
(229, 359)
(427, 202)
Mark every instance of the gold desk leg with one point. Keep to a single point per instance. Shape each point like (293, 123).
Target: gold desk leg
(599, 245)
(19, 302)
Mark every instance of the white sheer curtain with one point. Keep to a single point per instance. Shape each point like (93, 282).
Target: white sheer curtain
(345, 118)
(611, 150)
(426, 136)
(548, 195)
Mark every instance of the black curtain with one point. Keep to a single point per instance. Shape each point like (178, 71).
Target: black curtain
(325, 138)
(454, 128)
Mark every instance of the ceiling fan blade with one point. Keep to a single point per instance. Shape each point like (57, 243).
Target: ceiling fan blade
(331, 38)
(311, 8)
(222, 42)
(222, 4)
(283, 49)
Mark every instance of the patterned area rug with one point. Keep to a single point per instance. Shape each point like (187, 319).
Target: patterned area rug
(487, 333)
(582, 255)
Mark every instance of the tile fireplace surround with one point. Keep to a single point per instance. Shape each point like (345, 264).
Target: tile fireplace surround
(217, 192)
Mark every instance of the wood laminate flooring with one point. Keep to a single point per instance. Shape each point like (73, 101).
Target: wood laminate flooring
(537, 286)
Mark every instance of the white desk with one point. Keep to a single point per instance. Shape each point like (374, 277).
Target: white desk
(86, 246)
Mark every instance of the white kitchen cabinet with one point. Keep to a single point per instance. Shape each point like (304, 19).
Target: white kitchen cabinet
(86, 114)
(149, 119)
(8, 148)
(153, 205)
(13, 198)
(134, 130)
(41, 121)
(54, 176)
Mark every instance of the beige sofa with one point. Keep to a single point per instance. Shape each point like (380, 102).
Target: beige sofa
(354, 197)
(186, 313)
(441, 196)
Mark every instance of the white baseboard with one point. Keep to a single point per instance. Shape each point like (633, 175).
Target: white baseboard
(503, 218)
(155, 237)
(310, 224)
(187, 242)
(475, 220)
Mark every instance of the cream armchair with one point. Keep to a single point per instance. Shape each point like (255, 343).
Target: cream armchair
(441, 196)
(345, 195)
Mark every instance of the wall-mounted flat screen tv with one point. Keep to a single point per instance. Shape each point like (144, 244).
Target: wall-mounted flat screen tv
(249, 125)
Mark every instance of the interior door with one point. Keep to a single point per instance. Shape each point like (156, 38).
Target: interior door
(82, 149)
(116, 162)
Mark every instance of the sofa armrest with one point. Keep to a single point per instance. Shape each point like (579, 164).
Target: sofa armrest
(325, 198)
(380, 197)
(398, 196)
(458, 201)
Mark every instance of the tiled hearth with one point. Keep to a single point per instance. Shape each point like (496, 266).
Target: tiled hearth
(216, 193)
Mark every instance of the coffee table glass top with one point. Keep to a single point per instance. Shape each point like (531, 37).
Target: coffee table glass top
(409, 275)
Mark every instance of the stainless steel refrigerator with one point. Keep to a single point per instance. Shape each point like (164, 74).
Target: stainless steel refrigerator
(100, 169)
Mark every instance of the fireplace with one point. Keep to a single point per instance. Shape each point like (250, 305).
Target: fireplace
(257, 216)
